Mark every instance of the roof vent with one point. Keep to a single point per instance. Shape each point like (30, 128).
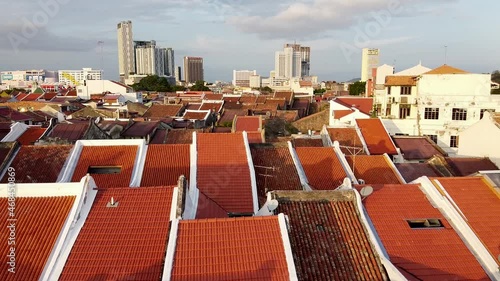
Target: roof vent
(112, 203)
(361, 181)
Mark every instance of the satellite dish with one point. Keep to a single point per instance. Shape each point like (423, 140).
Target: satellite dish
(272, 205)
(366, 191)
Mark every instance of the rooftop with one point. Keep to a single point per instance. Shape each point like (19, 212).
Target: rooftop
(420, 254)
(69, 132)
(307, 142)
(373, 169)
(417, 148)
(163, 110)
(121, 157)
(165, 164)
(400, 80)
(446, 69)
(348, 139)
(376, 137)
(466, 166)
(140, 129)
(181, 136)
(230, 249)
(123, 243)
(364, 105)
(39, 164)
(323, 169)
(248, 123)
(31, 135)
(413, 171)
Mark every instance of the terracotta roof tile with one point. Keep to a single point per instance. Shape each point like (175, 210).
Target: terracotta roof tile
(165, 164)
(39, 222)
(180, 136)
(469, 165)
(215, 107)
(256, 137)
(446, 69)
(307, 142)
(140, 129)
(123, 243)
(413, 171)
(364, 105)
(196, 115)
(7, 150)
(302, 106)
(223, 172)
(248, 99)
(163, 110)
(49, 96)
(248, 123)
(31, 135)
(274, 170)
(373, 169)
(14, 115)
(348, 139)
(213, 96)
(376, 137)
(39, 164)
(480, 204)
(107, 156)
(228, 115)
(322, 167)
(288, 115)
(228, 249)
(159, 137)
(288, 96)
(337, 114)
(329, 241)
(400, 80)
(417, 148)
(32, 97)
(70, 132)
(420, 254)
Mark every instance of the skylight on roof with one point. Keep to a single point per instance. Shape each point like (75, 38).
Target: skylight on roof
(103, 170)
(425, 223)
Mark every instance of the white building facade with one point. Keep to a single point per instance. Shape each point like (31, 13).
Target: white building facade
(439, 104)
(369, 61)
(241, 78)
(77, 77)
(126, 52)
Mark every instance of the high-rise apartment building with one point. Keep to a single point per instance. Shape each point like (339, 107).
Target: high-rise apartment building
(126, 52)
(77, 77)
(288, 63)
(178, 74)
(305, 58)
(169, 62)
(147, 58)
(241, 78)
(193, 69)
(369, 61)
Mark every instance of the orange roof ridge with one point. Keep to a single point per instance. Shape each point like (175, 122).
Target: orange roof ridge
(446, 69)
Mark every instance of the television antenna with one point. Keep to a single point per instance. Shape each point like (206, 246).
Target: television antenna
(266, 175)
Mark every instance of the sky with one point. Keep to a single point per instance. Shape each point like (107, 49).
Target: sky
(245, 34)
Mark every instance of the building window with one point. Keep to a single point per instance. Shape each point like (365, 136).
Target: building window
(459, 114)
(425, 223)
(454, 141)
(406, 90)
(388, 110)
(431, 113)
(404, 111)
(104, 170)
(389, 90)
(483, 111)
(433, 138)
(378, 109)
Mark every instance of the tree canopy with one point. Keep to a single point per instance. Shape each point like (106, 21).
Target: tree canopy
(199, 86)
(153, 83)
(357, 88)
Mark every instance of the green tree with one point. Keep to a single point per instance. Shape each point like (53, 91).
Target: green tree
(279, 127)
(357, 88)
(199, 86)
(153, 83)
(319, 91)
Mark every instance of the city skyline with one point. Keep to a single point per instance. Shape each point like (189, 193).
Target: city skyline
(333, 35)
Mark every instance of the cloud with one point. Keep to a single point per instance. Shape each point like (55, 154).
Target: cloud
(308, 19)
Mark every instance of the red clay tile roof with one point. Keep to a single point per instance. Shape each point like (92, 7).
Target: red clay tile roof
(255, 137)
(281, 102)
(446, 69)
(288, 115)
(322, 167)
(400, 80)
(31, 135)
(417, 148)
(348, 139)
(228, 249)
(248, 99)
(193, 106)
(14, 115)
(159, 137)
(228, 115)
(420, 254)
(337, 114)
(70, 132)
(302, 106)
(223, 172)
(480, 204)
(373, 169)
(215, 107)
(213, 97)
(32, 97)
(165, 164)
(195, 115)
(39, 222)
(106, 156)
(49, 96)
(123, 243)
(7, 150)
(21, 96)
(329, 241)
(39, 164)
(181, 136)
(470, 165)
(413, 171)
(307, 142)
(140, 129)
(376, 137)
(288, 96)
(248, 123)
(364, 105)
(274, 170)
(163, 110)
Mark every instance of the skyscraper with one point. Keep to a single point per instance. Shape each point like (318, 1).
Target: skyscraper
(150, 60)
(193, 69)
(369, 61)
(169, 62)
(241, 78)
(305, 57)
(126, 55)
(289, 62)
